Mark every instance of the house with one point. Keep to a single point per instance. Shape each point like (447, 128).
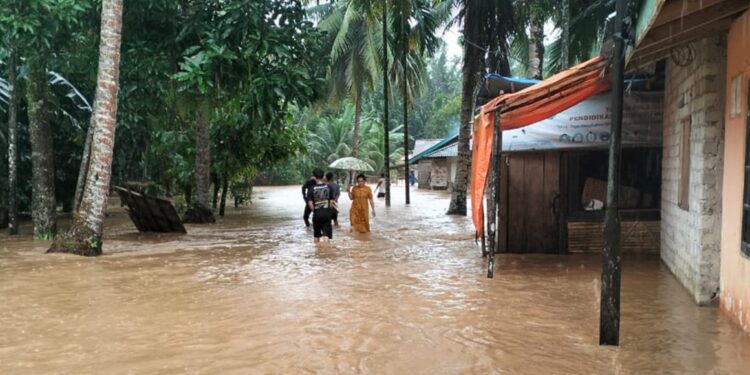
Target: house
(705, 190)
(555, 170)
(420, 145)
(436, 164)
(701, 194)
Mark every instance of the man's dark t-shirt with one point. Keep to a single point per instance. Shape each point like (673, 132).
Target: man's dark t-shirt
(335, 190)
(306, 188)
(320, 195)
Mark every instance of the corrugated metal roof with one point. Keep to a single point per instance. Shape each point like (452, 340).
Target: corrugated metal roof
(423, 144)
(445, 152)
(451, 138)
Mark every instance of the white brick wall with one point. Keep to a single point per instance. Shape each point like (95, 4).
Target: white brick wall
(691, 240)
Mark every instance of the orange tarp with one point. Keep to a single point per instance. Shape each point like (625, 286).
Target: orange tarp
(481, 154)
(530, 105)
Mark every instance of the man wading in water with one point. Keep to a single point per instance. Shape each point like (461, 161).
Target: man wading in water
(305, 191)
(319, 198)
(335, 193)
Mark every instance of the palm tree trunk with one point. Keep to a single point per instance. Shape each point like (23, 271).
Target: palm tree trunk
(83, 170)
(85, 234)
(43, 172)
(224, 188)
(200, 212)
(386, 127)
(202, 163)
(357, 119)
(216, 181)
(471, 66)
(536, 48)
(565, 35)
(12, 146)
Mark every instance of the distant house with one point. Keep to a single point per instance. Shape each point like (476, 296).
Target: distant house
(420, 145)
(436, 164)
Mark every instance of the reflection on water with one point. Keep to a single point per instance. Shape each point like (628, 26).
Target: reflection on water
(252, 294)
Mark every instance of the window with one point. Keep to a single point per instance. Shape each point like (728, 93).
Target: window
(735, 106)
(746, 195)
(684, 188)
(640, 182)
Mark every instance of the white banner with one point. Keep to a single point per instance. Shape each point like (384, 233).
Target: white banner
(587, 125)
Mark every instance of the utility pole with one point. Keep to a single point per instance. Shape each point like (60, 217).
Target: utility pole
(405, 98)
(386, 128)
(609, 319)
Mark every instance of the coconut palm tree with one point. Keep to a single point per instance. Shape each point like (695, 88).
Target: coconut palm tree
(359, 56)
(332, 137)
(531, 15)
(585, 31)
(356, 49)
(373, 147)
(486, 27)
(12, 142)
(580, 36)
(85, 234)
(415, 24)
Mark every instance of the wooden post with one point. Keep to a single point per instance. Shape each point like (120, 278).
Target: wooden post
(484, 236)
(489, 213)
(609, 319)
(496, 165)
(386, 128)
(498, 183)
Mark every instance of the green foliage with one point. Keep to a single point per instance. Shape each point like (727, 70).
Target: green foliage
(61, 34)
(586, 28)
(436, 110)
(243, 63)
(279, 83)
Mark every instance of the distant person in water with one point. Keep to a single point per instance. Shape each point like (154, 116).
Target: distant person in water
(380, 187)
(305, 188)
(412, 178)
(361, 195)
(319, 199)
(336, 192)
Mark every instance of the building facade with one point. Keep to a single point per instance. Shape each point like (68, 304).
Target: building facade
(692, 168)
(705, 205)
(735, 258)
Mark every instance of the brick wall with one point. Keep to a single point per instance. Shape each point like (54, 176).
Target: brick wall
(691, 239)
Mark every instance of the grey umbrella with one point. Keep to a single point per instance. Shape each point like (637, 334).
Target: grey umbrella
(351, 164)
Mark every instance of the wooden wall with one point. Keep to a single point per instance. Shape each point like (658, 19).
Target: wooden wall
(530, 205)
(638, 237)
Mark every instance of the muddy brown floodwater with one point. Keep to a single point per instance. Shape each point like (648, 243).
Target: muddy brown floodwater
(253, 295)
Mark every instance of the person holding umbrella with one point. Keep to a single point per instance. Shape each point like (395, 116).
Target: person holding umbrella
(361, 195)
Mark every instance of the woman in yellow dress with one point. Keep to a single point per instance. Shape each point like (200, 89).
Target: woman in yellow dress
(358, 214)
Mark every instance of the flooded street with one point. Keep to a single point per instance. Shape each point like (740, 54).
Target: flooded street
(253, 295)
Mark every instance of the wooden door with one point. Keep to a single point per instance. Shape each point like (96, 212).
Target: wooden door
(530, 203)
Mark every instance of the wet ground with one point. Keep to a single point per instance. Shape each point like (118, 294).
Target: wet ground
(252, 294)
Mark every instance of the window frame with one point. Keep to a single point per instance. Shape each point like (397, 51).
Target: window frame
(735, 105)
(683, 189)
(745, 242)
